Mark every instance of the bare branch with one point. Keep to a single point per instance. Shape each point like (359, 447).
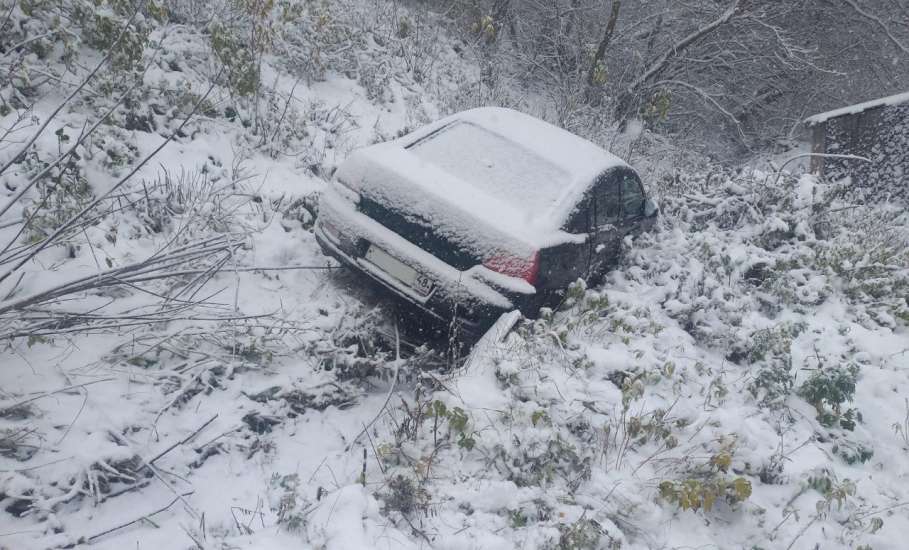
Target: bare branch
(708, 98)
(662, 62)
(75, 218)
(85, 81)
(877, 21)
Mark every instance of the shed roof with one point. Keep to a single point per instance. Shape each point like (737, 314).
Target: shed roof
(858, 108)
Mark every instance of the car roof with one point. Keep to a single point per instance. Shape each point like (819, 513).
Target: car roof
(517, 173)
(578, 160)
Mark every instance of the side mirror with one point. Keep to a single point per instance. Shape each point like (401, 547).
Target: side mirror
(650, 208)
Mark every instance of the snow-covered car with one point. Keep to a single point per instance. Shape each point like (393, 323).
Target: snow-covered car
(482, 212)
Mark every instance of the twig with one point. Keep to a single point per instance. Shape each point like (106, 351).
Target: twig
(47, 394)
(217, 437)
(46, 170)
(877, 20)
(92, 538)
(290, 97)
(65, 226)
(394, 382)
(801, 532)
(779, 172)
(288, 268)
(183, 441)
(110, 52)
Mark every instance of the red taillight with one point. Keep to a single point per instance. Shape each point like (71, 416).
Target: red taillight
(513, 266)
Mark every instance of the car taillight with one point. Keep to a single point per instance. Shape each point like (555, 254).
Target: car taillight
(514, 266)
(333, 232)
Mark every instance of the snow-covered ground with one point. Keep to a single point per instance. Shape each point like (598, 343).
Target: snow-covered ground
(740, 381)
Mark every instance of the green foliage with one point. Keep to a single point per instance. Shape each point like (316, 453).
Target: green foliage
(656, 108)
(35, 339)
(62, 194)
(852, 453)
(457, 422)
(239, 42)
(539, 416)
(541, 462)
(702, 494)
(584, 534)
(654, 426)
(827, 390)
(773, 343)
(290, 507)
(517, 519)
(485, 28)
(404, 28)
(600, 74)
(404, 495)
(709, 484)
(102, 23)
(127, 53)
(771, 347)
(239, 61)
(832, 489)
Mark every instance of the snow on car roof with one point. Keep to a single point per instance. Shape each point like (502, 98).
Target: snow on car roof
(858, 108)
(485, 171)
(494, 164)
(580, 160)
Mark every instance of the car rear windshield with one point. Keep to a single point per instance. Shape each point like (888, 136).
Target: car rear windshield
(494, 165)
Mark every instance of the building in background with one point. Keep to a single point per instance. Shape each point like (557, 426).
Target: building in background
(877, 130)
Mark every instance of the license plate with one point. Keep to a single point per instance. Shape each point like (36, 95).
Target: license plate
(420, 283)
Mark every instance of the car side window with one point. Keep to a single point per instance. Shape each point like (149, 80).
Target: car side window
(607, 203)
(579, 221)
(632, 197)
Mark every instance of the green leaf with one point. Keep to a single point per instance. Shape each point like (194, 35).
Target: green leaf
(457, 419)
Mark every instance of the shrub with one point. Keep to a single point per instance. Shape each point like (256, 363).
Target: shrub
(580, 535)
(827, 390)
(404, 495)
(697, 494)
(238, 60)
(772, 347)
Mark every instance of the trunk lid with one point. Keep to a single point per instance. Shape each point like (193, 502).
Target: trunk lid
(435, 210)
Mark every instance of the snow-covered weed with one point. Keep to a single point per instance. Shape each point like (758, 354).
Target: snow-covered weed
(287, 501)
(827, 390)
(902, 428)
(705, 484)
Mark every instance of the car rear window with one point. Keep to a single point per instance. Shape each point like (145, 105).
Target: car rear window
(494, 165)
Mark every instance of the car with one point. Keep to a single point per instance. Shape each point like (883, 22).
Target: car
(486, 211)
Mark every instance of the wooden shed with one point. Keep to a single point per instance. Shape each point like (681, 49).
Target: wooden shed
(877, 130)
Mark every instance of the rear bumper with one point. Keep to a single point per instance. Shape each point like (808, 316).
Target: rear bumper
(465, 295)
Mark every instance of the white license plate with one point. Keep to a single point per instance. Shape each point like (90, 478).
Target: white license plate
(420, 283)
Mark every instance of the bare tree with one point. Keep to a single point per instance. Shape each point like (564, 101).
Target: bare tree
(752, 68)
(604, 42)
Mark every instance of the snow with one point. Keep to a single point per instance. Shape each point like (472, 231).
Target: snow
(858, 108)
(564, 413)
(392, 176)
(466, 286)
(494, 165)
(528, 177)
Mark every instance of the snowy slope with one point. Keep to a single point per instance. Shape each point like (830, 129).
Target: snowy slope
(297, 427)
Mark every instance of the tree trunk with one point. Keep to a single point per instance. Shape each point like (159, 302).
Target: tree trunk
(604, 43)
(502, 16)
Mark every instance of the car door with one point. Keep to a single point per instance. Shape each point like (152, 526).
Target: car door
(606, 234)
(563, 264)
(633, 207)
